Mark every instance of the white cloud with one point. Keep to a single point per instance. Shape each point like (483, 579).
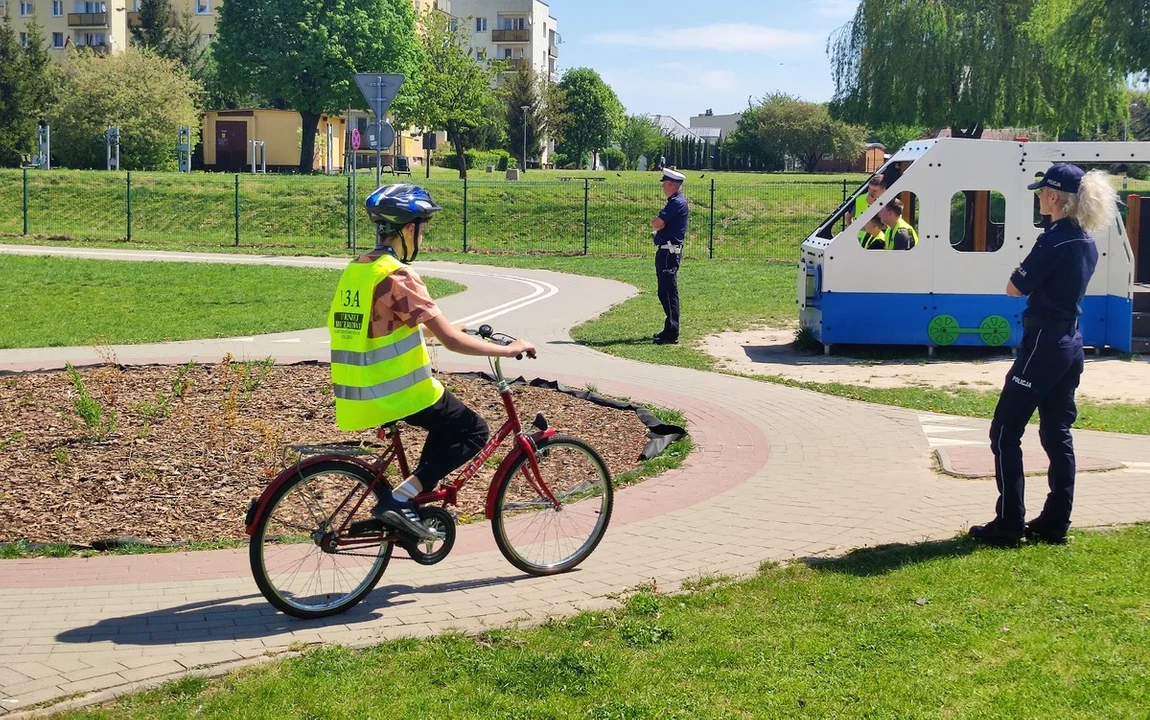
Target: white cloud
(726, 37)
(837, 9)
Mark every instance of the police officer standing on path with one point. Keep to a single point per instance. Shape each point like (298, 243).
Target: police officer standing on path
(670, 231)
(1053, 277)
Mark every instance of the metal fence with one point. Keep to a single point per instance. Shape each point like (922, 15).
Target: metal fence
(731, 218)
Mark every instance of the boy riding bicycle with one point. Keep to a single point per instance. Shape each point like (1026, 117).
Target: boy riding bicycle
(380, 367)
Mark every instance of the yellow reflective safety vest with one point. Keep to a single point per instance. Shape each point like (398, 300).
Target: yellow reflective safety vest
(891, 232)
(375, 380)
(861, 205)
(869, 240)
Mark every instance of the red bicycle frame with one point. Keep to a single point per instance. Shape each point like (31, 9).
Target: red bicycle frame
(447, 494)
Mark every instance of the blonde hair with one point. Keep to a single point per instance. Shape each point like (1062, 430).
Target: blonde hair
(1095, 205)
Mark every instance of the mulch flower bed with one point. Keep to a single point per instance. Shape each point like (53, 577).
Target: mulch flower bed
(167, 454)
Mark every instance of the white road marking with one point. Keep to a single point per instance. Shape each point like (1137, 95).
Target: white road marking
(936, 442)
(931, 429)
(287, 340)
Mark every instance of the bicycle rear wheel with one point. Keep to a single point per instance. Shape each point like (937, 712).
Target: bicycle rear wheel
(533, 533)
(295, 554)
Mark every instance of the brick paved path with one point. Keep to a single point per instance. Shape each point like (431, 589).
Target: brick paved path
(778, 473)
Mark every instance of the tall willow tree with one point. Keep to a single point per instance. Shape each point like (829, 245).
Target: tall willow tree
(1120, 28)
(968, 64)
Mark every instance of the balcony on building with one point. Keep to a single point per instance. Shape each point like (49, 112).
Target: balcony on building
(514, 64)
(553, 50)
(88, 19)
(511, 36)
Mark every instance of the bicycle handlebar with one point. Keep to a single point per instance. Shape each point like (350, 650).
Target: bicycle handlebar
(487, 333)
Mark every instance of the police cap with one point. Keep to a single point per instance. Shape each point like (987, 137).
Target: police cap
(673, 176)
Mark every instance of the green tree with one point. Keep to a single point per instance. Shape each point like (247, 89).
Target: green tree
(523, 90)
(154, 30)
(640, 136)
(42, 75)
(593, 113)
(1117, 31)
(303, 55)
(893, 137)
(456, 84)
(783, 125)
(28, 85)
(147, 96)
(967, 64)
(16, 127)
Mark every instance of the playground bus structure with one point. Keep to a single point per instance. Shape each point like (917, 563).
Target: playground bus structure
(976, 221)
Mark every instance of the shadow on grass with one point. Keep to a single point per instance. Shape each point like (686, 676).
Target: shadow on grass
(882, 559)
(645, 340)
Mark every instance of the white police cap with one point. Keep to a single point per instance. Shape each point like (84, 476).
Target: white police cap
(673, 176)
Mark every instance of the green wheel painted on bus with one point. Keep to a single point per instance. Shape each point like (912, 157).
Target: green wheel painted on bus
(994, 330)
(943, 330)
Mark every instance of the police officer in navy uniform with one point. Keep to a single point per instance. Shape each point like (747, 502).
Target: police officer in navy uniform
(1045, 375)
(670, 231)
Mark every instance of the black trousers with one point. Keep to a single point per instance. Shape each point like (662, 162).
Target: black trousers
(667, 272)
(1044, 377)
(455, 434)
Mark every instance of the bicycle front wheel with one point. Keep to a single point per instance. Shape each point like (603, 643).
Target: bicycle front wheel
(542, 537)
(302, 562)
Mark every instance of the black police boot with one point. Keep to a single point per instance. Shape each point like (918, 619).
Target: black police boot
(996, 533)
(1038, 530)
(664, 340)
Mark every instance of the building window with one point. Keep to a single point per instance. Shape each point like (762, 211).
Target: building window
(57, 39)
(513, 23)
(481, 24)
(23, 39)
(57, 8)
(91, 7)
(26, 8)
(203, 7)
(481, 53)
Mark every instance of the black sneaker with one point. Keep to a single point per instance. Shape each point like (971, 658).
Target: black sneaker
(995, 533)
(661, 340)
(1037, 530)
(403, 516)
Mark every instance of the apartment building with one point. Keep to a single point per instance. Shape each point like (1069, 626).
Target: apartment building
(520, 32)
(100, 25)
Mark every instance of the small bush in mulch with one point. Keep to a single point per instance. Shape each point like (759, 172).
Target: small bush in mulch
(168, 454)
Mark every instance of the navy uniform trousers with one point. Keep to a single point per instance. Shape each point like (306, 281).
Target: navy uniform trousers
(667, 271)
(1043, 377)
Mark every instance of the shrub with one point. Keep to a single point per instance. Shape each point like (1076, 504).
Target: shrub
(613, 158)
(477, 159)
(148, 97)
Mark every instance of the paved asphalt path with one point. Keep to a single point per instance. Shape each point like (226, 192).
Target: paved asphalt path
(777, 474)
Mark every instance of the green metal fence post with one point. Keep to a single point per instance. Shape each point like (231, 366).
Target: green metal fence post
(586, 219)
(237, 210)
(350, 210)
(464, 214)
(129, 206)
(25, 201)
(711, 250)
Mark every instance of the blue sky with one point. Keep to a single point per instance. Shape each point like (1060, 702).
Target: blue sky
(679, 58)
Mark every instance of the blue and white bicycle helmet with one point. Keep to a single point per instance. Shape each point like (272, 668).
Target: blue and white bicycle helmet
(393, 206)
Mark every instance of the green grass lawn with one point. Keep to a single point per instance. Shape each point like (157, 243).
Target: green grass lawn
(936, 630)
(52, 302)
(756, 214)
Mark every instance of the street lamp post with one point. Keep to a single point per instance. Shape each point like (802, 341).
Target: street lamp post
(524, 108)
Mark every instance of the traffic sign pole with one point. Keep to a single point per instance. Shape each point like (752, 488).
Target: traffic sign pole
(380, 89)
